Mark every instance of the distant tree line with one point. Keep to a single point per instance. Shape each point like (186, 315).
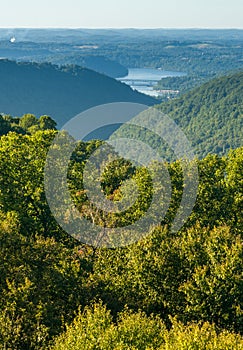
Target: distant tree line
(27, 124)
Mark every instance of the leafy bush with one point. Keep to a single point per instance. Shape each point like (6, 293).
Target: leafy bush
(94, 329)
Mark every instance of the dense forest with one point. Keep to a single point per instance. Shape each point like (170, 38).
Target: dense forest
(211, 115)
(169, 290)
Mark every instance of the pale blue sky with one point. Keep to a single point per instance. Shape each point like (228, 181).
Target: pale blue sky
(122, 13)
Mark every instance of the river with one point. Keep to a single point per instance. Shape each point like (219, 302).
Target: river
(144, 79)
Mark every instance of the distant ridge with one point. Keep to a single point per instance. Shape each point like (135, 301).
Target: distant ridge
(60, 93)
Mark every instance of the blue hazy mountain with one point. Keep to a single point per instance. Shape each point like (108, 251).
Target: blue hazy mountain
(60, 92)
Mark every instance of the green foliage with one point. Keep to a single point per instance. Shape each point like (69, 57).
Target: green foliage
(47, 123)
(202, 336)
(94, 329)
(210, 208)
(219, 198)
(27, 121)
(27, 124)
(211, 115)
(214, 284)
(194, 275)
(40, 282)
(234, 186)
(22, 160)
(151, 276)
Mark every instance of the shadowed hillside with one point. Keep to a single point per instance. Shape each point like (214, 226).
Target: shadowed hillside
(44, 89)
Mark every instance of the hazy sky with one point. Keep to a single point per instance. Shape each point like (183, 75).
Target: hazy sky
(122, 13)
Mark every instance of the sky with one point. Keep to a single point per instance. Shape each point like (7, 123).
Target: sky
(122, 13)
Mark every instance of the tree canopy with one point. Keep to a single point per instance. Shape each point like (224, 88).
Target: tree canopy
(164, 289)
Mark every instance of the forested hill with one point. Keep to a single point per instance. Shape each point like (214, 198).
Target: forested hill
(45, 89)
(211, 115)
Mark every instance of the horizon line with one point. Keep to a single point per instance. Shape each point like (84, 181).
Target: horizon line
(127, 28)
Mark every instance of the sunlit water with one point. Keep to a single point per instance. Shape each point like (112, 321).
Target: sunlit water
(144, 79)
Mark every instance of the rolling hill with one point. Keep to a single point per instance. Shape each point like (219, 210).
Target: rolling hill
(62, 93)
(212, 115)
